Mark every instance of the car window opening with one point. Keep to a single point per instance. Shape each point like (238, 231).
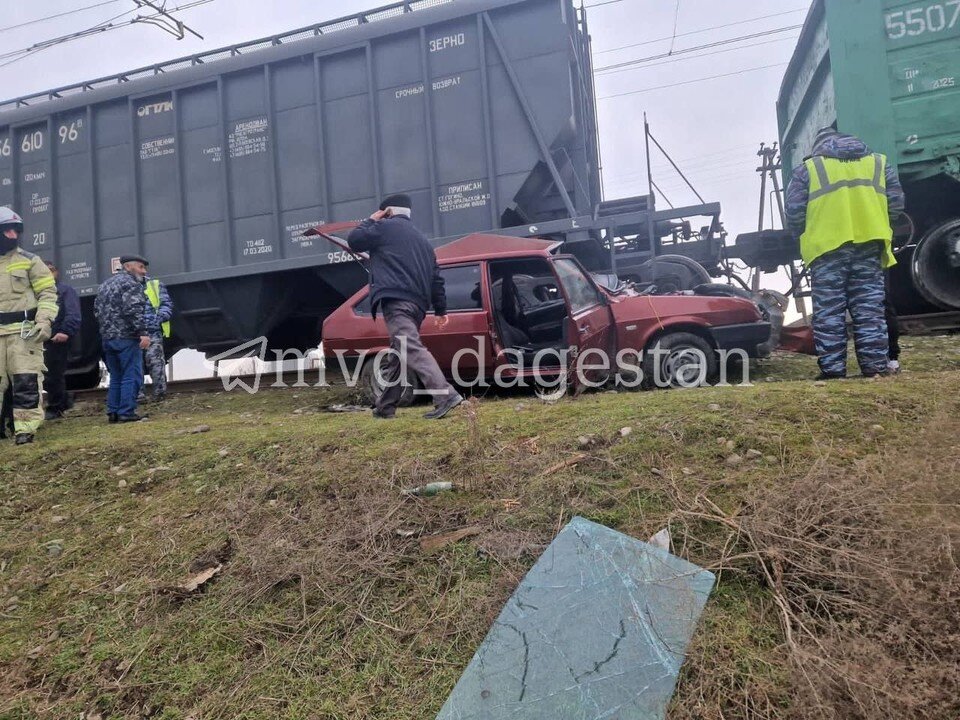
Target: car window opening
(462, 285)
(530, 312)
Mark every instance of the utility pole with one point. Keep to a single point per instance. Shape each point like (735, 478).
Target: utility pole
(650, 198)
(771, 164)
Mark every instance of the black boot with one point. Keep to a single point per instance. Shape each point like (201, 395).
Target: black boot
(112, 417)
(131, 418)
(24, 438)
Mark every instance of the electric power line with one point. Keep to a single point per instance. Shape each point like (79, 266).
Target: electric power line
(691, 82)
(45, 44)
(703, 30)
(676, 21)
(718, 43)
(58, 15)
(696, 57)
(716, 158)
(708, 167)
(105, 26)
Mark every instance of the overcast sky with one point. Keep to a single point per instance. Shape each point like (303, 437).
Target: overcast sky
(712, 127)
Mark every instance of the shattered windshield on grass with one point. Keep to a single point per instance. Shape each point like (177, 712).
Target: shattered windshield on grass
(597, 630)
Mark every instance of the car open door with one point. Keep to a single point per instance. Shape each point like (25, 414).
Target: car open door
(590, 321)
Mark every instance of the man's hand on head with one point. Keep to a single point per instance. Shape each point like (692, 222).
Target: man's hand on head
(380, 215)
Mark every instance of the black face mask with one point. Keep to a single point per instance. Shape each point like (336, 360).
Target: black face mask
(6, 244)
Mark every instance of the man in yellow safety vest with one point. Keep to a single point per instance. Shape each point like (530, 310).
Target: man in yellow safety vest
(841, 203)
(158, 313)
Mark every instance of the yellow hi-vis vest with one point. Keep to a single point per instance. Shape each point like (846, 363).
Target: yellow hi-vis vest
(153, 295)
(847, 203)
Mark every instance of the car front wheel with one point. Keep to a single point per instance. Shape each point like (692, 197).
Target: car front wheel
(679, 360)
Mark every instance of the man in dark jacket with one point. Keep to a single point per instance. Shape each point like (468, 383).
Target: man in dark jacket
(120, 308)
(405, 281)
(841, 203)
(65, 328)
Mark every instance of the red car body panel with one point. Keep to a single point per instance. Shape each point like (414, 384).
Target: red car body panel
(622, 321)
(798, 339)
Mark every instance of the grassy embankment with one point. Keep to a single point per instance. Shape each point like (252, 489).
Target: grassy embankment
(836, 543)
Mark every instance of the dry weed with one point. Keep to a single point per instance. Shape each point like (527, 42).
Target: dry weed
(865, 584)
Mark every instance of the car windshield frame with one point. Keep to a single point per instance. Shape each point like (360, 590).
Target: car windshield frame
(575, 311)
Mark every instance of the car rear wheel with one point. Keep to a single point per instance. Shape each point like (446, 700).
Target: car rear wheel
(679, 360)
(371, 384)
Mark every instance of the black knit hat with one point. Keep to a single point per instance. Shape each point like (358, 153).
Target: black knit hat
(399, 200)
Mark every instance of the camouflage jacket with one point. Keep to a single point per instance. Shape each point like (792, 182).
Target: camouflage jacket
(842, 147)
(26, 285)
(120, 307)
(155, 317)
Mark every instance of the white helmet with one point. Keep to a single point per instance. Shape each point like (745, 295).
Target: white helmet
(9, 219)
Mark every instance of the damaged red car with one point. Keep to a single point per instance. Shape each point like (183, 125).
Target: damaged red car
(516, 309)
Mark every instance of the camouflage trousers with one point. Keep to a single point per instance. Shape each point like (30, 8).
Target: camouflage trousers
(156, 365)
(849, 278)
(21, 367)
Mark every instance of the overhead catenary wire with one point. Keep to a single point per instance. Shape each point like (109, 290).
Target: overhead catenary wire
(699, 168)
(676, 22)
(105, 26)
(734, 158)
(691, 82)
(45, 44)
(701, 31)
(676, 59)
(640, 61)
(36, 21)
(706, 163)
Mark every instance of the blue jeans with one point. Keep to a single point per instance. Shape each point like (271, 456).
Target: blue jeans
(124, 361)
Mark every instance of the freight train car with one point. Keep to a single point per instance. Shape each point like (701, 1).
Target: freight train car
(889, 71)
(213, 165)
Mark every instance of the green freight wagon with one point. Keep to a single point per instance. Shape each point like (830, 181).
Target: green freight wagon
(889, 72)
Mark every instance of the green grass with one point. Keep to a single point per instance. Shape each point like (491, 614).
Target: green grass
(326, 607)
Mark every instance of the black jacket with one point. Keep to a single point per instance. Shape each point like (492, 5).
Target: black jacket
(68, 318)
(403, 265)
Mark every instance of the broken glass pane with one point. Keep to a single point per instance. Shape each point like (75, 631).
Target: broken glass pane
(597, 630)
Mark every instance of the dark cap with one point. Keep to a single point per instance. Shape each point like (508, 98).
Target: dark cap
(402, 201)
(124, 259)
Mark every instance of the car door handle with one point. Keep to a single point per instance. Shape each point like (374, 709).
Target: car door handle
(583, 329)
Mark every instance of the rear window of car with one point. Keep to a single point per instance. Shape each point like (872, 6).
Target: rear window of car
(462, 284)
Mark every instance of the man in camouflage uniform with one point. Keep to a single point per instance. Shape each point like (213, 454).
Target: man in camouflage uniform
(120, 308)
(28, 306)
(841, 202)
(159, 310)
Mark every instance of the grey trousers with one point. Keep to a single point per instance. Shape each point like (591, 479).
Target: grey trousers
(156, 365)
(403, 320)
